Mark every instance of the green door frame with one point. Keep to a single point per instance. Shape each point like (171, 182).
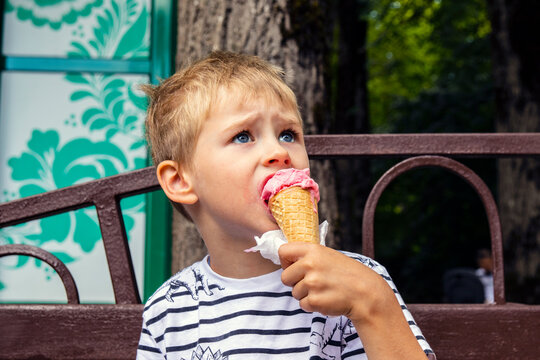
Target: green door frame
(157, 259)
(158, 244)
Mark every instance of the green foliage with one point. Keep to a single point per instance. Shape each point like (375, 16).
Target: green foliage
(429, 71)
(401, 57)
(426, 57)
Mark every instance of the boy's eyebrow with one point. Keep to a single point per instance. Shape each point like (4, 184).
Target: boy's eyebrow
(242, 121)
(293, 122)
(251, 118)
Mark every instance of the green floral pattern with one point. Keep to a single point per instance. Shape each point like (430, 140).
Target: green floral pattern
(46, 166)
(53, 13)
(112, 113)
(121, 32)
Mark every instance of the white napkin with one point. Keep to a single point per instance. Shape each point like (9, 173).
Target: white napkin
(269, 242)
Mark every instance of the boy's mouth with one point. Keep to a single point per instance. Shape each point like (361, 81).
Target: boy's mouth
(263, 184)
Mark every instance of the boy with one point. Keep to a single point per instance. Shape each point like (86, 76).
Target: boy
(217, 130)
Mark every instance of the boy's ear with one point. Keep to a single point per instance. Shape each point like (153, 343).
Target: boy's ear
(176, 182)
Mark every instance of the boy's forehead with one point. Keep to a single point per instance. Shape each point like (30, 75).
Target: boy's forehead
(237, 98)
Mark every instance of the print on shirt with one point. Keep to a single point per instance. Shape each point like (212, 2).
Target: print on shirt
(191, 279)
(207, 354)
(321, 335)
(368, 262)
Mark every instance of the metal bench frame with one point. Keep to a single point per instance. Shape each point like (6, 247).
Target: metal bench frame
(83, 331)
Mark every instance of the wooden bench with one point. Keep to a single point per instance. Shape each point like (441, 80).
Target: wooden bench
(82, 331)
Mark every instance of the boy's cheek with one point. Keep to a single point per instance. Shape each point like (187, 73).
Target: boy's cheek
(305, 156)
(248, 195)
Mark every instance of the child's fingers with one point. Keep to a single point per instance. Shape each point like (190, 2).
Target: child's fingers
(290, 253)
(305, 304)
(293, 274)
(300, 291)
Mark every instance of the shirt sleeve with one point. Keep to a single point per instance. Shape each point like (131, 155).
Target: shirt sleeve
(381, 270)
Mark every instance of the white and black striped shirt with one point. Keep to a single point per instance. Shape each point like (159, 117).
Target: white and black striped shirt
(198, 314)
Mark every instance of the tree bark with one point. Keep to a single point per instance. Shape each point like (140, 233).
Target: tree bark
(516, 63)
(353, 182)
(291, 34)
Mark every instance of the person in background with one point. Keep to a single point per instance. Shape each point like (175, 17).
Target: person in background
(484, 272)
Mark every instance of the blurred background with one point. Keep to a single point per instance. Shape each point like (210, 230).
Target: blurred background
(71, 111)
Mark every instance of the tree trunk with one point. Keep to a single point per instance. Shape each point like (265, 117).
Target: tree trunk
(291, 34)
(351, 117)
(516, 62)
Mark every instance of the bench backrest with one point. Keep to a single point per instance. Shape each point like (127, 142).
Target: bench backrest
(501, 331)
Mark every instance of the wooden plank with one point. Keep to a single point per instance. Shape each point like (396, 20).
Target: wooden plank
(78, 196)
(404, 145)
(70, 331)
(112, 331)
(508, 332)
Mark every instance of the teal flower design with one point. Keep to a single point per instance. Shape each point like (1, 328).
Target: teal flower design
(18, 234)
(53, 13)
(47, 166)
(118, 107)
(121, 33)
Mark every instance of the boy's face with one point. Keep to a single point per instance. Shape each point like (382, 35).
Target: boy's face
(240, 145)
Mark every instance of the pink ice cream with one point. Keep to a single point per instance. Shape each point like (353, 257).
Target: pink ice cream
(287, 178)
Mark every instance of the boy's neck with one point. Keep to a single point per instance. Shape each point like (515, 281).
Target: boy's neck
(238, 264)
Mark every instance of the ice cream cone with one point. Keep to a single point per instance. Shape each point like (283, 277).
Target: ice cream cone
(295, 211)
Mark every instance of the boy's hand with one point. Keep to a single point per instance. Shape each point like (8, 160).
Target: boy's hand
(329, 282)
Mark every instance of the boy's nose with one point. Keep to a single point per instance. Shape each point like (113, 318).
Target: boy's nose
(277, 156)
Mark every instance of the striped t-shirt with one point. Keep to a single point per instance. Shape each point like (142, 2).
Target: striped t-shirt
(198, 314)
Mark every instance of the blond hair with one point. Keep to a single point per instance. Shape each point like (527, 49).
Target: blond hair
(179, 105)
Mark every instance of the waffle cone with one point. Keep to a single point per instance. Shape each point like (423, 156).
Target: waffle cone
(296, 214)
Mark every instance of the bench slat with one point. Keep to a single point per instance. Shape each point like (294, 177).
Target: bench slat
(70, 331)
(112, 331)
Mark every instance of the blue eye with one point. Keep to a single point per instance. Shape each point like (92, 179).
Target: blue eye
(242, 138)
(287, 136)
